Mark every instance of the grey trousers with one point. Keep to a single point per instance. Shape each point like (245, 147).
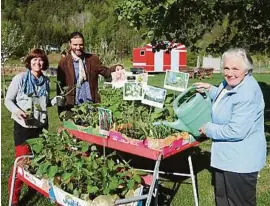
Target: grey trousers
(235, 189)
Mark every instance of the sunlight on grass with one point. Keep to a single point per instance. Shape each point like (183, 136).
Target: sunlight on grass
(179, 191)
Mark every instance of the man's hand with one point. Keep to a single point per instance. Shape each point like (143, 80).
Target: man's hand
(54, 100)
(118, 68)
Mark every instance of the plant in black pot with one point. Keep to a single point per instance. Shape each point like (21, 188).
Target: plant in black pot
(29, 119)
(64, 91)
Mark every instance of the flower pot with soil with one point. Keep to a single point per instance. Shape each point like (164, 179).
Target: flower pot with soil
(29, 119)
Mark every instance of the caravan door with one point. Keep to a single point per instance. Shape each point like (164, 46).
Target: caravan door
(158, 61)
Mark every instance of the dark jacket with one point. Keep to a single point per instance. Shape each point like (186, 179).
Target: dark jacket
(94, 67)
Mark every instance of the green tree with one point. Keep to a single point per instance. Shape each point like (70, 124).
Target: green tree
(12, 38)
(243, 23)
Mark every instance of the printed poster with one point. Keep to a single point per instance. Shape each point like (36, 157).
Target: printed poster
(118, 78)
(177, 81)
(154, 96)
(132, 91)
(142, 78)
(105, 120)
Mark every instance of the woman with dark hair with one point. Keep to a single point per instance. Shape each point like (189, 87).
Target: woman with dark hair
(26, 91)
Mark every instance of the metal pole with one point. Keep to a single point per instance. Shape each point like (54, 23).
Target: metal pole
(153, 184)
(193, 181)
(165, 173)
(131, 199)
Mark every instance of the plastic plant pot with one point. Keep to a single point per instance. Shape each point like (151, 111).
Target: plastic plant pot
(61, 101)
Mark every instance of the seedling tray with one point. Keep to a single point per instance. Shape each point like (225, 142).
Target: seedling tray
(116, 141)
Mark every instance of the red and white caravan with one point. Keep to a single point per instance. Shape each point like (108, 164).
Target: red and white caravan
(175, 60)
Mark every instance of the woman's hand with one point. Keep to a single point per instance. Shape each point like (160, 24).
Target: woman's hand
(21, 114)
(201, 86)
(202, 130)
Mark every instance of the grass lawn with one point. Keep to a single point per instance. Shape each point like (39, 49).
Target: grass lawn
(173, 191)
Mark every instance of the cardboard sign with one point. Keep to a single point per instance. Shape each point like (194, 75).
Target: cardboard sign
(154, 96)
(118, 78)
(43, 183)
(132, 91)
(177, 81)
(105, 121)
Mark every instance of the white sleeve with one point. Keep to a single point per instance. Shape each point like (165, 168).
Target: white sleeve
(11, 95)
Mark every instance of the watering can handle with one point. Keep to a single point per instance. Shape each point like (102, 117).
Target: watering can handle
(175, 102)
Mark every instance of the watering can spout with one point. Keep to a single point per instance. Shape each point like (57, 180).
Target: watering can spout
(178, 125)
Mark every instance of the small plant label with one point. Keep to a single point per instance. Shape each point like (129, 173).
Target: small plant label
(142, 78)
(177, 81)
(105, 120)
(154, 96)
(132, 91)
(118, 79)
(131, 78)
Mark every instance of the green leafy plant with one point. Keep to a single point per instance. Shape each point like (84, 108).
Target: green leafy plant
(64, 91)
(139, 116)
(73, 167)
(85, 114)
(29, 119)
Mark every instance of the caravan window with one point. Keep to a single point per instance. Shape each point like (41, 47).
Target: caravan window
(142, 53)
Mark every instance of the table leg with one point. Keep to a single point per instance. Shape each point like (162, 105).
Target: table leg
(154, 182)
(193, 181)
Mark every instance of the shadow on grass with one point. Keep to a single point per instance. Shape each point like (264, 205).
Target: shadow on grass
(177, 163)
(31, 197)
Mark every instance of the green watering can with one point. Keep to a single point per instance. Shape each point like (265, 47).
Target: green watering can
(192, 113)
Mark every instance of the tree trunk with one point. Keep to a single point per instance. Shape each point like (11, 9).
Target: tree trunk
(4, 82)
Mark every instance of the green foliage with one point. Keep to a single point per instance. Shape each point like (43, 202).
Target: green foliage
(64, 91)
(211, 26)
(139, 116)
(183, 195)
(11, 39)
(72, 166)
(51, 22)
(202, 25)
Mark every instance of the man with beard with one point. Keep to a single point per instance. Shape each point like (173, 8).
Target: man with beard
(81, 69)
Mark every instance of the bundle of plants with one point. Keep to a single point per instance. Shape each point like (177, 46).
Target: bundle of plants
(72, 166)
(85, 114)
(140, 116)
(155, 137)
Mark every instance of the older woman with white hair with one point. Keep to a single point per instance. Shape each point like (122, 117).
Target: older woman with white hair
(237, 131)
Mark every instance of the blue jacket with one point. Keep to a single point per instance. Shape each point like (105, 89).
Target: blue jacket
(237, 128)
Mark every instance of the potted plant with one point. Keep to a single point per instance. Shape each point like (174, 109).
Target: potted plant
(29, 119)
(61, 158)
(64, 91)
